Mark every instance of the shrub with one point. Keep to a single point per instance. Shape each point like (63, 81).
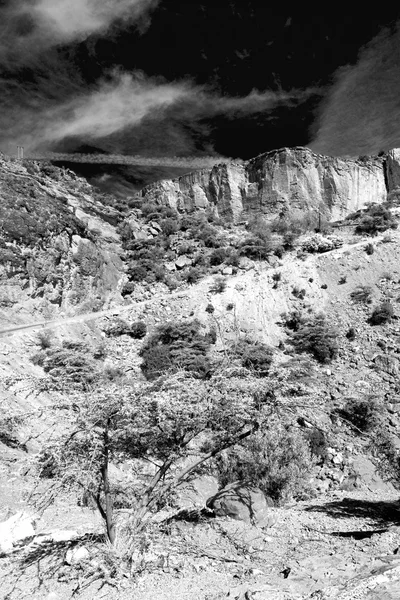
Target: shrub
(169, 226)
(382, 314)
(45, 338)
(218, 256)
(127, 288)
(193, 275)
(68, 366)
(319, 243)
(176, 346)
(351, 334)
(276, 461)
(362, 294)
(138, 330)
(364, 414)
(317, 442)
(218, 286)
(316, 337)
(297, 293)
(376, 219)
(254, 355)
(256, 248)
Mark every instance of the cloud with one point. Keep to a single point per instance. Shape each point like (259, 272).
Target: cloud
(125, 109)
(361, 114)
(29, 27)
(45, 104)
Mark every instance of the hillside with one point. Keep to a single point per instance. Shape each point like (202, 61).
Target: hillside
(230, 259)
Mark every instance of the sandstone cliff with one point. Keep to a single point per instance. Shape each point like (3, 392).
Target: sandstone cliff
(289, 179)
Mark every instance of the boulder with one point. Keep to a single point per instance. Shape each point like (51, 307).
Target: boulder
(16, 529)
(243, 504)
(182, 262)
(388, 363)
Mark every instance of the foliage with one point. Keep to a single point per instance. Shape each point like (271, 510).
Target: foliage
(218, 256)
(255, 356)
(118, 326)
(382, 314)
(193, 274)
(45, 338)
(178, 424)
(218, 286)
(69, 365)
(317, 442)
(275, 460)
(315, 336)
(175, 346)
(363, 414)
(319, 243)
(375, 219)
(362, 294)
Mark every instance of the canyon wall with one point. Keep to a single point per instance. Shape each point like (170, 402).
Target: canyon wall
(289, 179)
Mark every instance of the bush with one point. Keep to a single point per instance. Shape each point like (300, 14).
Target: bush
(319, 243)
(254, 355)
(218, 286)
(68, 366)
(376, 219)
(317, 442)
(169, 226)
(362, 294)
(218, 256)
(276, 461)
(118, 327)
(382, 314)
(364, 414)
(45, 338)
(176, 346)
(316, 337)
(351, 334)
(138, 330)
(193, 275)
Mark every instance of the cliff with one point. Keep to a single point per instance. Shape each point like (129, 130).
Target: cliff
(289, 179)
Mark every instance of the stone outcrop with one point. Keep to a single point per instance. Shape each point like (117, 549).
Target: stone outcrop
(289, 179)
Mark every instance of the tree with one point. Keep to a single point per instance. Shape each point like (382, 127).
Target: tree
(175, 425)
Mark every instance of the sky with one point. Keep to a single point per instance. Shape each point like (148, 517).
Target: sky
(162, 78)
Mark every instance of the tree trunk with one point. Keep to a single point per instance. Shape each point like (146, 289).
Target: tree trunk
(108, 512)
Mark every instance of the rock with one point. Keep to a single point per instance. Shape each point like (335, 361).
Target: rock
(288, 178)
(182, 262)
(77, 555)
(246, 264)
(243, 504)
(197, 492)
(17, 528)
(388, 363)
(227, 271)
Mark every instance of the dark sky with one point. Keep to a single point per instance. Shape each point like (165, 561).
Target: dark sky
(165, 78)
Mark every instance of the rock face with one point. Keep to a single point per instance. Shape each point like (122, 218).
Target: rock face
(289, 179)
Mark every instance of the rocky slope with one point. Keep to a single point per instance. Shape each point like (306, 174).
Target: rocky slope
(62, 255)
(291, 180)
